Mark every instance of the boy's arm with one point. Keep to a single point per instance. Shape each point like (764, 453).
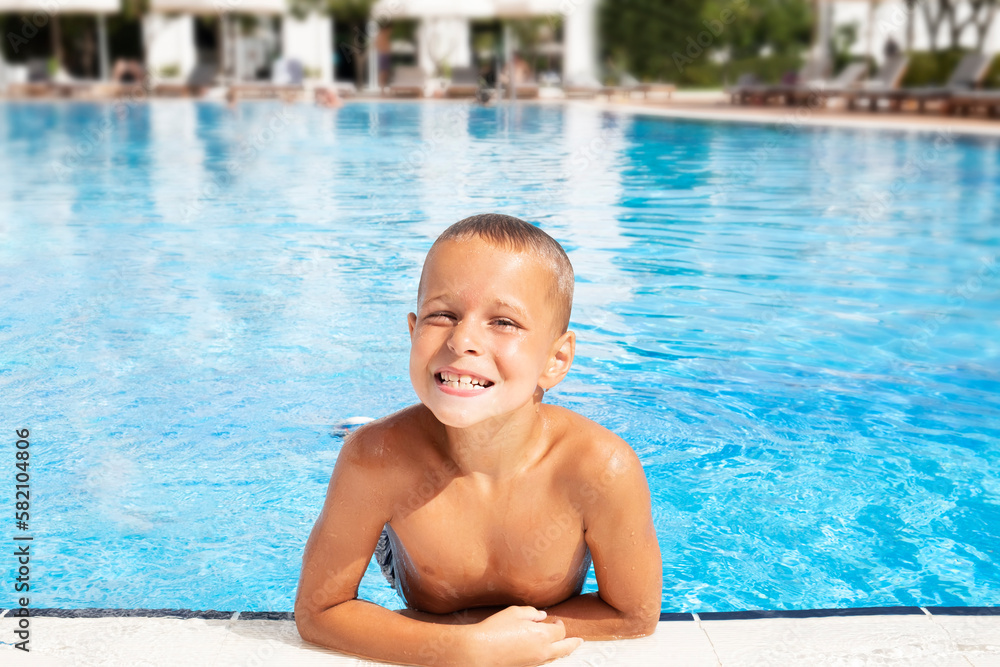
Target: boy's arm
(622, 540)
(327, 611)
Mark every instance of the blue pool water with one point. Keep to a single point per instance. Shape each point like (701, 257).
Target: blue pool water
(795, 328)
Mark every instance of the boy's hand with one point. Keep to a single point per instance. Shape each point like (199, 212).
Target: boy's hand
(518, 636)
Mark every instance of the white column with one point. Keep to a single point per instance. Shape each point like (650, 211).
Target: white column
(169, 42)
(461, 33)
(227, 48)
(508, 61)
(992, 42)
(238, 48)
(445, 41)
(102, 46)
(821, 49)
(310, 41)
(580, 43)
(371, 32)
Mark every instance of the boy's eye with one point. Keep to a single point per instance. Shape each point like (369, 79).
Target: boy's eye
(439, 316)
(505, 323)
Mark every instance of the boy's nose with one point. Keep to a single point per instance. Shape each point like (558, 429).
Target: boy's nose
(464, 339)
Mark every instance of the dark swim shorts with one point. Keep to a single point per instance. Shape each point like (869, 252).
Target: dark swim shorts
(383, 556)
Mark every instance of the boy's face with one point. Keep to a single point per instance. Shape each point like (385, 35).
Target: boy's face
(484, 337)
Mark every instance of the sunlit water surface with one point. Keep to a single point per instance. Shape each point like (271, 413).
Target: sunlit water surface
(796, 329)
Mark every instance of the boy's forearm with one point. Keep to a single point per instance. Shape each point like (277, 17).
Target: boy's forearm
(590, 617)
(586, 616)
(367, 630)
(463, 617)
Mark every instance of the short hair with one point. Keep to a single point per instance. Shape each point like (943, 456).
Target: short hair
(510, 233)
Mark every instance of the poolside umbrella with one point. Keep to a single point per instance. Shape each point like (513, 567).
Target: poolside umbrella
(48, 9)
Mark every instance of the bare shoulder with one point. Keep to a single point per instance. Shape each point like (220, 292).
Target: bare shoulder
(595, 460)
(390, 442)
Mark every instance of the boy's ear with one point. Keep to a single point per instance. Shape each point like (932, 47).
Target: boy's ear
(560, 359)
(411, 319)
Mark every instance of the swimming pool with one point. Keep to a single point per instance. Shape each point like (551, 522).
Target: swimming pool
(795, 328)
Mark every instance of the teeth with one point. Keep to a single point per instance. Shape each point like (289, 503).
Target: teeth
(465, 382)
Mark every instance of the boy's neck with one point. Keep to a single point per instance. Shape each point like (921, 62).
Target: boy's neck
(501, 447)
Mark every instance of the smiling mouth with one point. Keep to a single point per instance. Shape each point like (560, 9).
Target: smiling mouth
(462, 382)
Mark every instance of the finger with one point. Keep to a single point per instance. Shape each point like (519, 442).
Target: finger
(556, 630)
(564, 647)
(531, 614)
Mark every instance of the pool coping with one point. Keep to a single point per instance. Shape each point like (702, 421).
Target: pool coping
(960, 636)
(801, 116)
(212, 614)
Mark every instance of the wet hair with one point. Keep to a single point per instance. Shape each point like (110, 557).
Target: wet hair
(510, 233)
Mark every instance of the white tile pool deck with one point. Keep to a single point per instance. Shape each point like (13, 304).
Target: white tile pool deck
(966, 641)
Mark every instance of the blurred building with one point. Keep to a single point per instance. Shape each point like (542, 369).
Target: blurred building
(445, 30)
(241, 40)
(875, 23)
(237, 40)
(30, 17)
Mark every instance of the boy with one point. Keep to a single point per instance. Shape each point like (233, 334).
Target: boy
(484, 504)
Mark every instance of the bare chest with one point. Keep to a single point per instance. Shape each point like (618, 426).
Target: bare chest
(464, 548)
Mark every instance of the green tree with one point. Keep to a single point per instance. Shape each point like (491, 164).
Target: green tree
(685, 40)
(783, 27)
(641, 36)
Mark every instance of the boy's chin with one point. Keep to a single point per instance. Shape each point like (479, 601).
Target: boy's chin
(457, 419)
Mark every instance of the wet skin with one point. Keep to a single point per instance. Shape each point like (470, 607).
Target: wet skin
(493, 498)
(461, 542)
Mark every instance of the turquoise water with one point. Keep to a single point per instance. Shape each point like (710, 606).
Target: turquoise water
(795, 328)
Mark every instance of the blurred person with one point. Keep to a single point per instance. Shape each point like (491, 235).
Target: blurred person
(890, 49)
(328, 98)
(383, 47)
(127, 70)
(521, 69)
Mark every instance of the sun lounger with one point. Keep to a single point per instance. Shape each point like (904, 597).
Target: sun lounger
(526, 90)
(658, 89)
(464, 82)
(34, 81)
(814, 93)
(582, 88)
(68, 89)
(30, 90)
(407, 81)
(345, 88)
(817, 93)
(629, 86)
(967, 76)
(749, 90)
(201, 78)
(75, 88)
(265, 90)
(582, 92)
(886, 80)
(965, 103)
